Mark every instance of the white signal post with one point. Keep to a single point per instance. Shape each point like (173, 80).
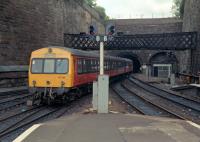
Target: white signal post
(101, 58)
(102, 91)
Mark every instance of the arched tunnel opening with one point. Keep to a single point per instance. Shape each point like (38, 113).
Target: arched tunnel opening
(135, 60)
(163, 64)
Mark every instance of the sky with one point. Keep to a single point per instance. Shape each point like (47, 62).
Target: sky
(123, 9)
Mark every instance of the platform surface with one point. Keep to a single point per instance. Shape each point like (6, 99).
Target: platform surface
(112, 128)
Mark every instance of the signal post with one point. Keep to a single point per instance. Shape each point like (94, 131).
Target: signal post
(101, 87)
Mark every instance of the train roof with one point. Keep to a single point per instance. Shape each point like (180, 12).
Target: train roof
(86, 53)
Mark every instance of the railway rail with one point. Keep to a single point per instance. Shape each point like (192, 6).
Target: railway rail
(166, 92)
(13, 99)
(12, 93)
(127, 100)
(27, 121)
(11, 106)
(186, 108)
(144, 106)
(181, 100)
(15, 123)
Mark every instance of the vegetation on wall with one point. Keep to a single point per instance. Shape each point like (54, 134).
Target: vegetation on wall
(99, 9)
(178, 8)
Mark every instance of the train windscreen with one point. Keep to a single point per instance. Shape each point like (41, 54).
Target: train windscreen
(49, 66)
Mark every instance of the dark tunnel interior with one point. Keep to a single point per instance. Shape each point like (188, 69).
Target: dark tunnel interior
(136, 62)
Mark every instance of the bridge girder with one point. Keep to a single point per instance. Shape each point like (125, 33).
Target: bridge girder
(166, 41)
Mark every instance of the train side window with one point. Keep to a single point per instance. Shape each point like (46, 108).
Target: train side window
(107, 65)
(80, 66)
(96, 68)
(93, 66)
(89, 66)
(84, 66)
(112, 65)
(97, 65)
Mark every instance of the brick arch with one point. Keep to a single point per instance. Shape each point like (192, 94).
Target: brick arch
(170, 55)
(164, 57)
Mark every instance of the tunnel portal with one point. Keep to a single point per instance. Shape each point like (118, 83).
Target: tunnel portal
(135, 60)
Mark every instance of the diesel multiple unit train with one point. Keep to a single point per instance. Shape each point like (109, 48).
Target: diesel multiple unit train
(60, 74)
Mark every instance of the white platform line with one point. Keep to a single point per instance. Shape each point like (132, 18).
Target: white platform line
(194, 124)
(27, 133)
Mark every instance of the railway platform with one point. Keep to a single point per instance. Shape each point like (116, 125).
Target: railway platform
(112, 128)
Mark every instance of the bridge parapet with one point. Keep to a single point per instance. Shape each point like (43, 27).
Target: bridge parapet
(166, 41)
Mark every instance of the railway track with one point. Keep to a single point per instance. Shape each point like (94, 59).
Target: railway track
(183, 107)
(14, 124)
(12, 104)
(143, 105)
(127, 100)
(12, 100)
(12, 93)
(187, 102)
(14, 120)
(17, 114)
(27, 121)
(165, 92)
(33, 116)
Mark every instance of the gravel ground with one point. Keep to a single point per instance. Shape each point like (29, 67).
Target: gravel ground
(116, 105)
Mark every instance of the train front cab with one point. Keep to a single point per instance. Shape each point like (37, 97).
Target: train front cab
(50, 73)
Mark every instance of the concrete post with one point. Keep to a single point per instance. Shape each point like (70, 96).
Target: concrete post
(148, 71)
(95, 95)
(172, 79)
(103, 93)
(103, 82)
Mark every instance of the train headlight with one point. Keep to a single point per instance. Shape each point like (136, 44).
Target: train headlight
(34, 83)
(62, 84)
(50, 50)
(48, 82)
